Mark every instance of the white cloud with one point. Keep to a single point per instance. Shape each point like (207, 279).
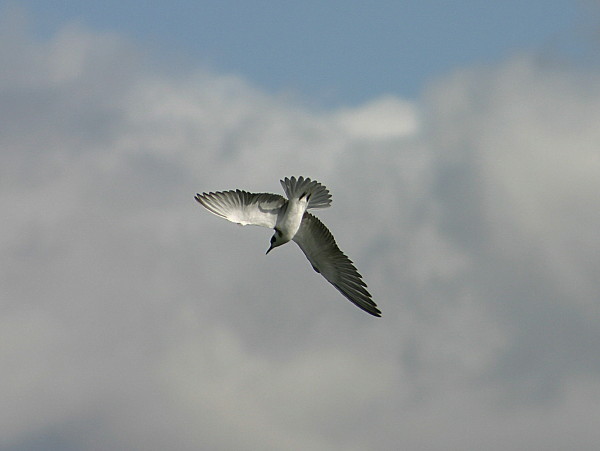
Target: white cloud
(131, 318)
(385, 118)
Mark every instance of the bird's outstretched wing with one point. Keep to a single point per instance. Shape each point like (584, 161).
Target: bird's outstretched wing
(319, 246)
(245, 208)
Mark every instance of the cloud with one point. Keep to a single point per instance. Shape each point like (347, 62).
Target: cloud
(529, 162)
(131, 318)
(385, 118)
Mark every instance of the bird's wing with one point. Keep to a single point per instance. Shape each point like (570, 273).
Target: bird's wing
(245, 208)
(319, 246)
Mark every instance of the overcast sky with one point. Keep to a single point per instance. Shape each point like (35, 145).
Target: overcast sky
(461, 148)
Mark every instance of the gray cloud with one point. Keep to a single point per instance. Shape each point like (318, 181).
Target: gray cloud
(133, 319)
(528, 173)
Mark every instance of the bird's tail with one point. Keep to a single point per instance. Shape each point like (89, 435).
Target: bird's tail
(296, 188)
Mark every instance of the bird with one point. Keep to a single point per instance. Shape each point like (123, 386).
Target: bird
(292, 222)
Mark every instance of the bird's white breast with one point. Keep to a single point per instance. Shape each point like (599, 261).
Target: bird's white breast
(289, 221)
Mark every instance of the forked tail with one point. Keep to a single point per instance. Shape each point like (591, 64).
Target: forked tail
(296, 188)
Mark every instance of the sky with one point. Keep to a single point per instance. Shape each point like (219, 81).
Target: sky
(464, 186)
(336, 52)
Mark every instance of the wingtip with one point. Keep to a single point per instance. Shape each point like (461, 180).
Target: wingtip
(371, 309)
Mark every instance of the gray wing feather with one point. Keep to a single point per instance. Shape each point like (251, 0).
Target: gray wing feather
(319, 246)
(242, 207)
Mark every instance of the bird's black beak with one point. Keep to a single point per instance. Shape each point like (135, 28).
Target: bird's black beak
(269, 250)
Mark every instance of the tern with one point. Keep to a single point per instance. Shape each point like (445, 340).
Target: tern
(292, 222)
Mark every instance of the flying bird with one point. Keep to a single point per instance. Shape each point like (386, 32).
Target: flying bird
(292, 222)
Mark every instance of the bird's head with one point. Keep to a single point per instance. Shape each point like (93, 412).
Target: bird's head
(276, 240)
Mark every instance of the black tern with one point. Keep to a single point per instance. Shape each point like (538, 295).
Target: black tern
(292, 222)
